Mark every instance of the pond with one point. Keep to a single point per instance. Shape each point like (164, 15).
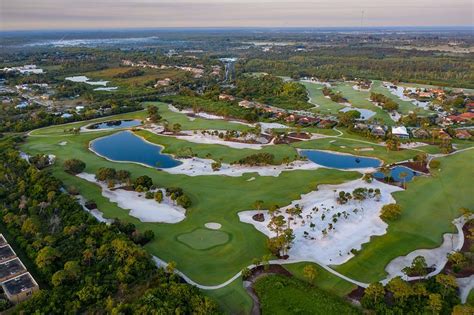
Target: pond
(395, 173)
(124, 146)
(114, 124)
(340, 161)
(364, 113)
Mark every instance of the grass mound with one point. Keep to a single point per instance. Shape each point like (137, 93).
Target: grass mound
(203, 238)
(282, 295)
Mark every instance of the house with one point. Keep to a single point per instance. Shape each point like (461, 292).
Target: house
(400, 132)
(79, 108)
(246, 104)
(290, 118)
(20, 288)
(463, 134)
(3, 242)
(378, 131)
(6, 253)
(226, 97)
(462, 118)
(305, 120)
(326, 123)
(361, 126)
(164, 82)
(421, 133)
(425, 95)
(443, 135)
(11, 269)
(470, 107)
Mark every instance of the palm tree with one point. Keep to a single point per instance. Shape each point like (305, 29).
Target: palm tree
(403, 176)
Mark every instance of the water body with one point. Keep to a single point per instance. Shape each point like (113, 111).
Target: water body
(340, 161)
(114, 124)
(364, 113)
(124, 146)
(395, 173)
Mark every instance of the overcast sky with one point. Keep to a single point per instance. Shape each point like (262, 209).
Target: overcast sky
(61, 14)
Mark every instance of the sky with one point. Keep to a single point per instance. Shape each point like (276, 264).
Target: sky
(101, 14)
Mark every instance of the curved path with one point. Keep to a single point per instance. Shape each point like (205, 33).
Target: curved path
(459, 223)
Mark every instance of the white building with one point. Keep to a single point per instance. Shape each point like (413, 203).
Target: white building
(400, 132)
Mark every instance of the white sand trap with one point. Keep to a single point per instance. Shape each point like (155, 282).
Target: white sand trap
(63, 143)
(349, 232)
(435, 257)
(364, 149)
(268, 126)
(412, 145)
(201, 167)
(251, 179)
(206, 138)
(213, 225)
(146, 210)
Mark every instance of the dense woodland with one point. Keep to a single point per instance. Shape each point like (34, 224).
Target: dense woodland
(82, 265)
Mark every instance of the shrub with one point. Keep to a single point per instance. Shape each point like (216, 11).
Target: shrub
(435, 164)
(391, 212)
(183, 201)
(144, 181)
(74, 166)
(159, 196)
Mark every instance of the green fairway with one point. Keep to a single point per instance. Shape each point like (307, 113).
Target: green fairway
(316, 96)
(324, 279)
(232, 298)
(283, 295)
(404, 107)
(429, 205)
(361, 99)
(203, 238)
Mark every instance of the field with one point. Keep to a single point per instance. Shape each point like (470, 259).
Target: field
(282, 295)
(211, 257)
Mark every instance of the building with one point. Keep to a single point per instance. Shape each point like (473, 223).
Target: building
(378, 131)
(400, 132)
(246, 104)
(6, 253)
(421, 133)
(463, 134)
(20, 288)
(470, 107)
(11, 269)
(226, 97)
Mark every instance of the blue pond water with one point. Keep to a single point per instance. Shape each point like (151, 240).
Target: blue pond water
(113, 124)
(395, 173)
(127, 147)
(340, 161)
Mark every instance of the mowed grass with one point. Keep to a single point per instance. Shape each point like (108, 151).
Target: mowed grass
(429, 205)
(215, 151)
(324, 279)
(282, 295)
(203, 238)
(215, 199)
(361, 99)
(233, 298)
(316, 97)
(404, 107)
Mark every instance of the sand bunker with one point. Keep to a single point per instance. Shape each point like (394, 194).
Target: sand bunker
(146, 210)
(213, 225)
(353, 223)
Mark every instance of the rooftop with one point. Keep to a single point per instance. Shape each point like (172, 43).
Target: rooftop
(19, 284)
(6, 252)
(2, 240)
(11, 268)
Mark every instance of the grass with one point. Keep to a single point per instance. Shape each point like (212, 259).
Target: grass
(470, 298)
(233, 298)
(404, 107)
(429, 205)
(360, 99)
(210, 196)
(316, 96)
(203, 238)
(282, 295)
(215, 151)
(324, 279)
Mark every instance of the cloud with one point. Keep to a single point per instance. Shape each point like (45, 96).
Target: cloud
(34, 14)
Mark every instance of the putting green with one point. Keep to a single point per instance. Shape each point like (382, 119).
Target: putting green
(203, 238)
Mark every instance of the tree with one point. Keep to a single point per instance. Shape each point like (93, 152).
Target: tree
(74, 166)
(447, 282)
(400, 289)
(143, 181)
(171, 267)
(373, 295)
(435, 303)
(418, 267)
(176, 128)
(246, 273)
(310, 273)
(159, 196)
(403, 176)
(258, 204)
(393, 144)
(390, 212)
(46, 256)
(183, 201)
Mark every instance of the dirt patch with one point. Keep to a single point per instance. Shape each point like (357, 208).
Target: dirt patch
(301, 135)
(356, 294)
(419, 167)
(259, 217)
(286, 140)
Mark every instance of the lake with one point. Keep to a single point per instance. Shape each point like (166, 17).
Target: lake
(114, 124)
(395, 173)
(364, 113)
(125, 146)
(340, 161)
